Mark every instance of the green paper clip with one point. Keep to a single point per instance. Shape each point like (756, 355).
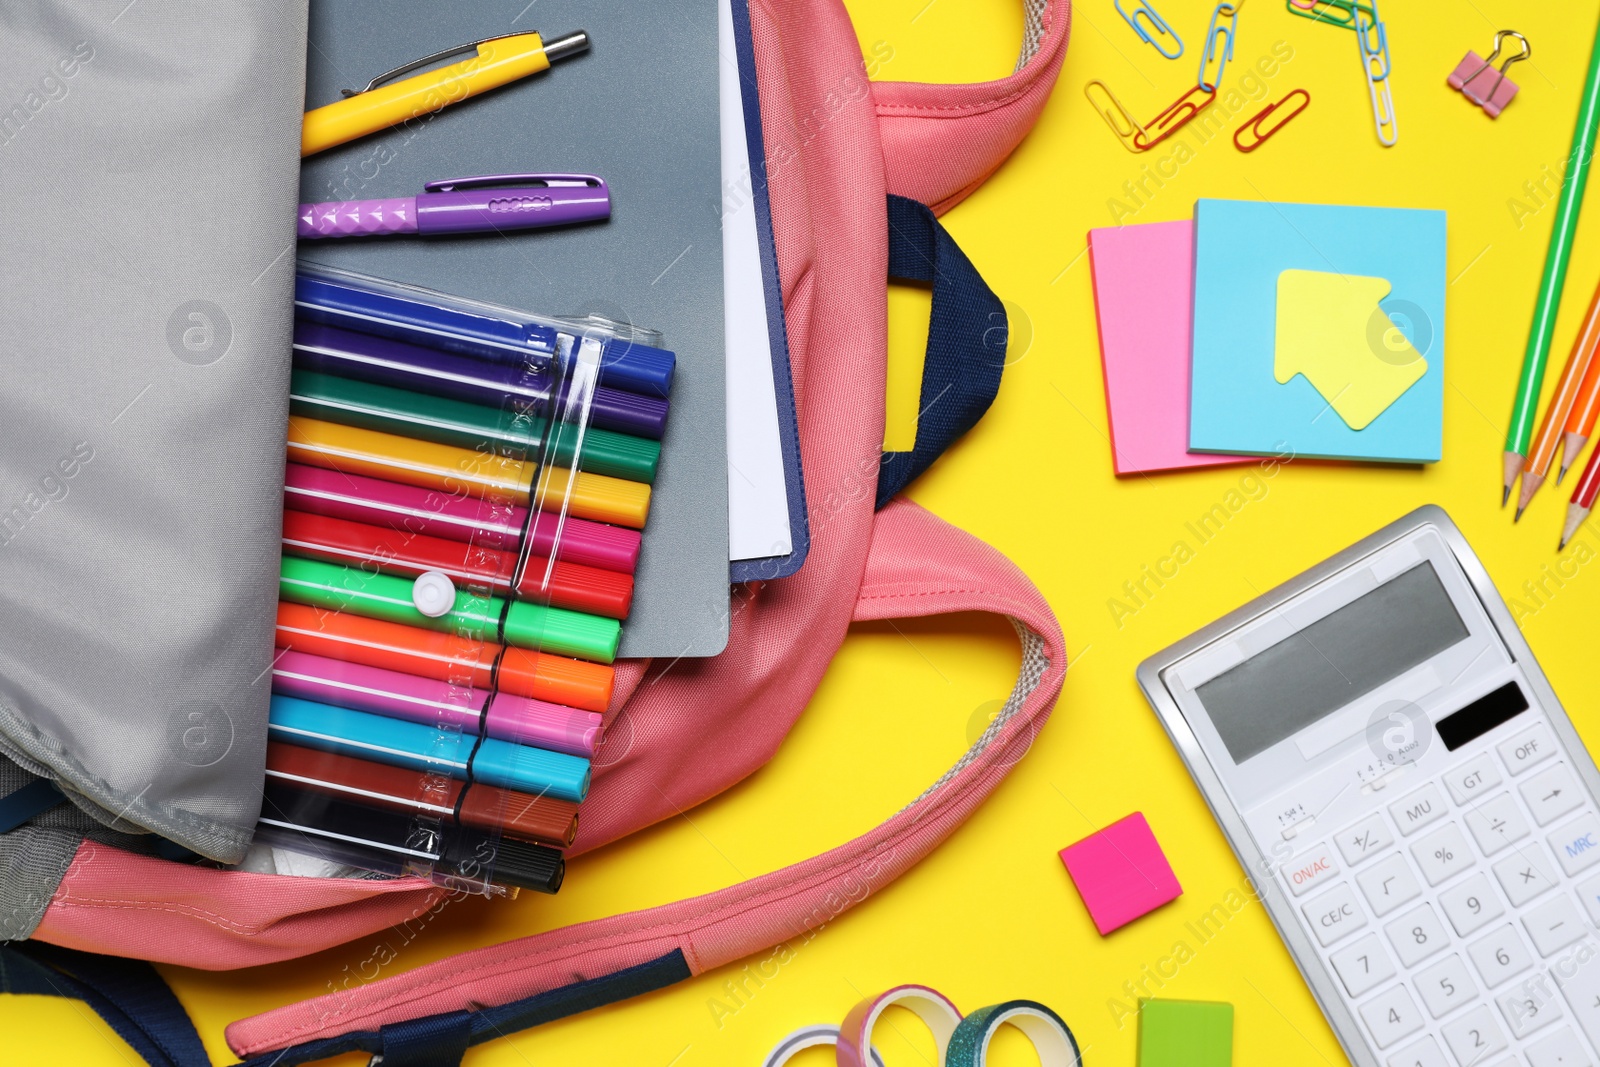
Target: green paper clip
(1341, 13)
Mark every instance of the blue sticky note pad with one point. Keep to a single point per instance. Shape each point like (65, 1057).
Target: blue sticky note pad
(1237, 402)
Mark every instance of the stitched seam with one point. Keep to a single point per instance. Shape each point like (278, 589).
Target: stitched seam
(911, 110)
(678, 928)
(177, 909)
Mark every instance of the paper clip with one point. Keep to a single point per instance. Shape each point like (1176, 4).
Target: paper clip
(1129, 129)
(1503, 89)
(1370, 51)
(1341, 13)
(1226, 31)
(1384, 120)
(1252, 125)
(1157, 25)
(1177, 115)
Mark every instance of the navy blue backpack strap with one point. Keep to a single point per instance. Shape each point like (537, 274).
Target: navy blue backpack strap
(966, 340)
(129, 995)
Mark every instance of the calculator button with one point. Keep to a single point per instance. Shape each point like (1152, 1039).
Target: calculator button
(1363, 966)
(1578, 976)
(1334, 914)
(1527, 748)
(1424, 1053)
(1310, 869)
(1392, 1015)
(1442, 854)
(1388, 884)
(1474, 1037)
(1473, 778)
(1472, 905)
(1551, 793)
(1577, 844)
(1499, 956)
(1525, 873)
(1553, 925)
(1416, 935)
(1366, 838)
(1589, 893)
(1496, 823)
(1446, 986)
(1560, 1049)
(1530, 1005)
(1413, 812)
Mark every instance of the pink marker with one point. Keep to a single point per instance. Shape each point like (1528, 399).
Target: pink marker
(522, 720)
(459, 518)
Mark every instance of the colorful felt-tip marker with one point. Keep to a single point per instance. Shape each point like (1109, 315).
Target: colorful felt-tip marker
(383, 596)
(445, 657)
(459, 517)
(488, 203)
(465, 708)
(523, 768)
(543, 820)
(524, 387)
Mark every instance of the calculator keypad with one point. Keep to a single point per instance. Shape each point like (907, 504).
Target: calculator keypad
(1459, 919)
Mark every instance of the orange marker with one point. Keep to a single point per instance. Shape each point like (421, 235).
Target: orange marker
(1567, 391)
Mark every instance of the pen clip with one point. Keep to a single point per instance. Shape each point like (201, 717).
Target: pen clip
(553, 181)
(417, 64)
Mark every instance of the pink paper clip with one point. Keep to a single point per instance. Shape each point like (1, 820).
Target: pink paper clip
(1481, 83)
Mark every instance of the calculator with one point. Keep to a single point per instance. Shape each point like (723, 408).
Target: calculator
(1410, 801)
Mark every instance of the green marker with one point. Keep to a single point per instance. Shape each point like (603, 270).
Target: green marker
(1531, 383)
(382, 596)
(456, 422)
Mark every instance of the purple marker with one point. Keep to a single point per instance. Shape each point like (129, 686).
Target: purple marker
(489, 202)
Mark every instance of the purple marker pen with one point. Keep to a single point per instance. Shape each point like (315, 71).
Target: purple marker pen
(490, 202)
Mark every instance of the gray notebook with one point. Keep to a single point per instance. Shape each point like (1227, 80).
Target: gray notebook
(640, 110)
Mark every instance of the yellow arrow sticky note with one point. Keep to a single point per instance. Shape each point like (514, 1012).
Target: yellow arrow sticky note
(1331, 329)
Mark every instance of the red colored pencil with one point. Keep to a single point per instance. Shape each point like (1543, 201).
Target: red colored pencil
(1582, 498)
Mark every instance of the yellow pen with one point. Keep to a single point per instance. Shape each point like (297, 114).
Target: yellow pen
(495, 62)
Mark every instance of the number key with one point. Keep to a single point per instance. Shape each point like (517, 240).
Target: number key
(1475, 1037)
(1499, 956)
(1392, 1015)
(1366, 838)
(1424, 1053)
(1530, 1004)
(1471, 905)
(1363, 966)
(1446, 986)
(1416, 935)
(1388, 884)
(1442, 854)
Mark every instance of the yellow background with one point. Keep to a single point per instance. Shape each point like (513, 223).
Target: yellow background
(991, 915)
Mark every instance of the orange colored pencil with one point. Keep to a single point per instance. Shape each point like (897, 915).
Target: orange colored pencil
(1550, 432)
(1580, 422)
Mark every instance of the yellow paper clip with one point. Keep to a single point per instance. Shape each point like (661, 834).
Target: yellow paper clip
(1129, 129)
(495, 62)
(1253, 124)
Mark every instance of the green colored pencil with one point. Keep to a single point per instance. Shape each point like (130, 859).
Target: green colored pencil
(1531, 382)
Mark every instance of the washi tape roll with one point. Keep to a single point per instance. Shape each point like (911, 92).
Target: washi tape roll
(809, 1037)
(930, 1005)
(969, 1046)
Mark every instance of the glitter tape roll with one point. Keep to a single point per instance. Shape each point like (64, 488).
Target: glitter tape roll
(809, 1037)
(969, 1046)
(930, 1005)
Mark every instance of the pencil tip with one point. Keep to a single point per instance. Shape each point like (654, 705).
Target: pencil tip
(1562, 546)
(1505, 496)
(1562, 473)
(1518, 516)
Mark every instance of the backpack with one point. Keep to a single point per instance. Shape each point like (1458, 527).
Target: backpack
(857, 173)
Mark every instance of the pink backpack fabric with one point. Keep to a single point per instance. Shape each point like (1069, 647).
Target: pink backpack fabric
(836, 144)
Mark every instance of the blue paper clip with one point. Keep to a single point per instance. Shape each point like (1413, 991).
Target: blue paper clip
(1158, 26)
(1370, 51)
(1226, 31)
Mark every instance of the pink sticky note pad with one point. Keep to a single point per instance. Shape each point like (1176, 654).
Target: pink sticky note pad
(1143, 292)
(1121, 873)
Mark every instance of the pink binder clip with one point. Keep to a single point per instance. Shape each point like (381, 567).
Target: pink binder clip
(1481, 83)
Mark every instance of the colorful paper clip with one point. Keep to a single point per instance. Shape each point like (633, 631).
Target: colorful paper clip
(1176, 116)
(1226, 30)
(1502, 89)
(1340, 13)
(1253, 125)
(1157, 26)
(1376, 66)
(1117, 116)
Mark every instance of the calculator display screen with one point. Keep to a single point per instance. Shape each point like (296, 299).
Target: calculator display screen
(1339, 658)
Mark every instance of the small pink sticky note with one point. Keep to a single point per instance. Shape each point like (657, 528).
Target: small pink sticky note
(1143, 292)
(1121, 873)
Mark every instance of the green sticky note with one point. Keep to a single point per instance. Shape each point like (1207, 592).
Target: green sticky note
(1185, 1033)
